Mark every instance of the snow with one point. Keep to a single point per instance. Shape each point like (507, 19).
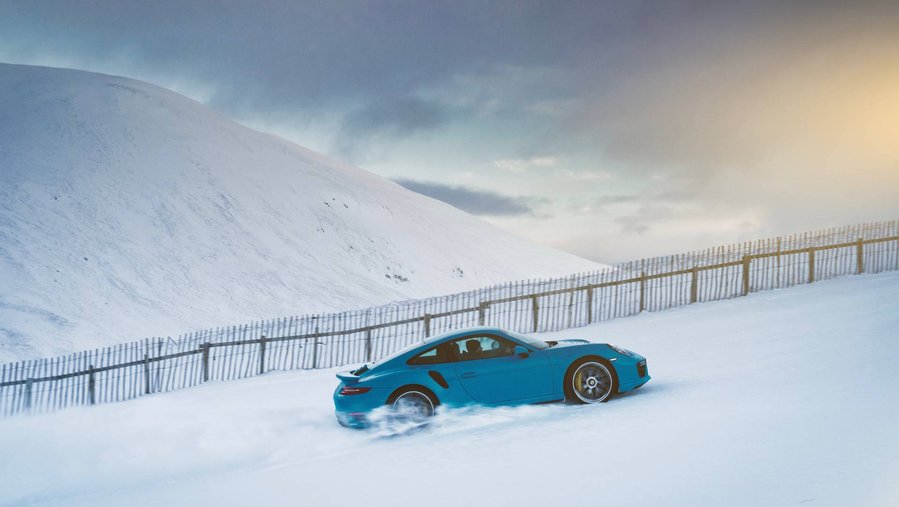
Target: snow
(787, 397)
(128, 211)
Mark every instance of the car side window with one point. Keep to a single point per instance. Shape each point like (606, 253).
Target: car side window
(484, 347)
(444, 353)
(427, 357)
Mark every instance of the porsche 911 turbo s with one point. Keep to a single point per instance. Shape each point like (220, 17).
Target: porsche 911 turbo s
(486, 366)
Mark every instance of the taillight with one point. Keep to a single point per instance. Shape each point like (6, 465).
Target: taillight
(348, 390)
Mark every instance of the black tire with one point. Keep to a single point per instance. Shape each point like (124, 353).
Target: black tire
(602, 387)
(418, 397)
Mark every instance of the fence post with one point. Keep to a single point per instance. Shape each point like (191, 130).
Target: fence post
(28, 384)
(642, 291)
(746, 260)
(91, 385)
(777, 282)
(694, 285)
(427, 323)
(315, 345)
(860, 255)
(368, 345)
(146, 374)
(811, 264)
(570, 302)
(262, 354)
(482, 312)
(205, 348)
(535, 307)
(589, 305)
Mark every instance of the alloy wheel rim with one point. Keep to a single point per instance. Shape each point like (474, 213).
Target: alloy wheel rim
(592, 382)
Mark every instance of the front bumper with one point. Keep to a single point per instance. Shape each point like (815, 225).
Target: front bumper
(632, 371)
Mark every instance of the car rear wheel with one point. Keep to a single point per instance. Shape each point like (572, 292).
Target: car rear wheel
(590, 381)
(412, 404)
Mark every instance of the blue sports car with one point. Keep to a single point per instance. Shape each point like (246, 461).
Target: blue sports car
(486, 366)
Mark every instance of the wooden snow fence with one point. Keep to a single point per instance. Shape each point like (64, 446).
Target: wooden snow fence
(154, 365)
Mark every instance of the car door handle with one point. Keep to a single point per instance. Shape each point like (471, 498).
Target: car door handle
(469, 374)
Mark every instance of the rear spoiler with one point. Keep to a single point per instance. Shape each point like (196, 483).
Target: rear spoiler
(353, 375)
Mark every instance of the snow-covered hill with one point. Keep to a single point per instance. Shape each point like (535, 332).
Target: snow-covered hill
(785, 397)
(128, 211)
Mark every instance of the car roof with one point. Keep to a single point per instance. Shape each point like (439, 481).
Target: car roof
(456, 333)
(423, 344)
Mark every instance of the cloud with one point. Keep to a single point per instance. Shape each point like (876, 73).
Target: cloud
(474, 201)
(781, 114)
(385, 120)
(614, 199)
(522, 164)
(583, 175)
(299, 56)
(364, 70)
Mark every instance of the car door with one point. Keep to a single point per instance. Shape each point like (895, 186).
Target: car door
(491, 372)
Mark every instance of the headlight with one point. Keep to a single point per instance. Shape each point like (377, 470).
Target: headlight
(623, 352)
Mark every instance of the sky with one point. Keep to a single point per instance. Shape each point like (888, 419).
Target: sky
(614, 130)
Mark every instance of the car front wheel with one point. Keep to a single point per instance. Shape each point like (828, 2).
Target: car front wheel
(590, 381)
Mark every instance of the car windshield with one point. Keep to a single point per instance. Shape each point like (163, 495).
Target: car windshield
(533, 342)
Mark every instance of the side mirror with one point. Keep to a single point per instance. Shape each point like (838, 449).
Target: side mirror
(521, 352)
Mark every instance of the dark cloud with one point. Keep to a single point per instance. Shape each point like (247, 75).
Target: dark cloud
(295, 53)
(474, 201)
(367, 61)
(387, 119)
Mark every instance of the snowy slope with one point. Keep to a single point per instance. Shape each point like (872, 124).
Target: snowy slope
(786, 397)
(129, 211)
